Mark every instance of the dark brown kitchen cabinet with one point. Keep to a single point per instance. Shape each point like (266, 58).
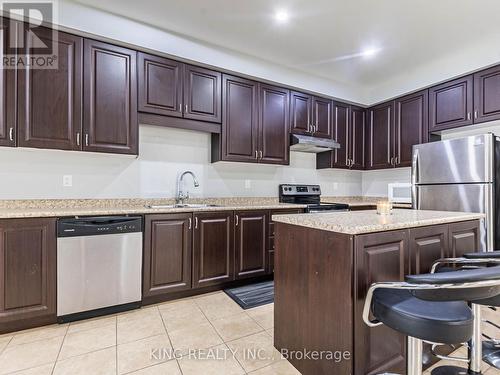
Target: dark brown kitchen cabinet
(357, 138)
(160, 85)
(110, 121)
(50, 100)
(250, 243)
(27, 273)
(379, 144)
(167, 254)
(487, 95)
(463, 237)
(213, 248)
(8, 87)
(322, 117)
(427, 244)
(202, 94)
(300, 113)
(450, 104)
(410, 126)
(273, 136)
(378, 257)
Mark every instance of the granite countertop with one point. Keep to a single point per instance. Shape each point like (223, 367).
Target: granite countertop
(10, 209)
(359, 222)
(358, 201)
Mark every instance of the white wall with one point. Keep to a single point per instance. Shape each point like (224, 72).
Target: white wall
(30, 173)
(375, 183)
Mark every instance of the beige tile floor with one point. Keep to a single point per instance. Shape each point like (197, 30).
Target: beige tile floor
(211, 324)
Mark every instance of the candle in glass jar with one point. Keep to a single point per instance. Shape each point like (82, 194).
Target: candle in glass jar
(384, 208)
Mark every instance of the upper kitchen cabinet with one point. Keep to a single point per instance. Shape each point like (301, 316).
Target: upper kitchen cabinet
(487, 95)
(254, 123)
(202, 94)
(322, 117)
(274, 140)
(379, 145)
(50, 100)
(10, 30)
(110, 99)
(356, 143)
(410, 126)
(340, 157)
(160, 85)
(450, 104)
(300, 113)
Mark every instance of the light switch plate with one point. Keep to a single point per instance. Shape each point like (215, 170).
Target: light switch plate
(67, 180)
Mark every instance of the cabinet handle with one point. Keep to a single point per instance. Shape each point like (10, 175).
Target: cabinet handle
(468, 116)
(260, 154)
(475, 113)
(237, 220)
(11, 134)
(392, 161)
(186, 108)
(190, 221)
(78, 139)
(180, 107)
(256, 154)
(195, 223)
(86, 139)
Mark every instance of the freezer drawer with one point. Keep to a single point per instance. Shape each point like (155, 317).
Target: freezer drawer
(460, 197)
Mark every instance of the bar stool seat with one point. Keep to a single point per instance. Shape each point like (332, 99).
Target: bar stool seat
(444, 322)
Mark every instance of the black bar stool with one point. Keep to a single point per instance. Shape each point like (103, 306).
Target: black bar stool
(430, 308)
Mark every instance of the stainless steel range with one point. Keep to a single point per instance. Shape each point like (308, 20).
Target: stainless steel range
(309, 195)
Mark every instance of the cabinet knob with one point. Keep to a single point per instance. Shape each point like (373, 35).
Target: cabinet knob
(256, 154)
(468, 116)
(195, 223)
(475, 113)
(237, 219)
(260, 154)
(11, 134)
(78, 139)
(86, 139)
(190, 221)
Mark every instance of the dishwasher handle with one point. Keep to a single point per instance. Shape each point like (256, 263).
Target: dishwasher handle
(98, 225)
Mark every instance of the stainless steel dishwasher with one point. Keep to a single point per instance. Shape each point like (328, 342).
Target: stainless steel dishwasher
(99, 263)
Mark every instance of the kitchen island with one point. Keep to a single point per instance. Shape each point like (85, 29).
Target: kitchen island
(324, 265)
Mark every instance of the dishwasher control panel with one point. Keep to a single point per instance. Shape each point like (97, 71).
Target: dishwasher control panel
(98, 225)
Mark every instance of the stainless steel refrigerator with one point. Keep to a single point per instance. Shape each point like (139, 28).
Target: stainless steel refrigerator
(459, 175)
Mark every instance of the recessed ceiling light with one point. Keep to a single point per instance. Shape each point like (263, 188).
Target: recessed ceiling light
(370, 52)
(281, 16)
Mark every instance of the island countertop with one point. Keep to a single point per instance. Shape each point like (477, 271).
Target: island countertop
(360, 222)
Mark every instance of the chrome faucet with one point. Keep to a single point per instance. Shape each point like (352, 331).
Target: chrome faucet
(181, 195)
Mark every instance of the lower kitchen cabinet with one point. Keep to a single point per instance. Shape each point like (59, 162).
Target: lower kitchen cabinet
(464, 238)
(167, 254)
(213, 248)
(426, 245)
(251, 241)
(28, 273)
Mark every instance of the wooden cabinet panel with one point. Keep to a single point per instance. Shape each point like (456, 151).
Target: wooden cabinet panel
(487, 95)
(274, 140)
(322, 117)
(167, 254)
(8, 89)
(410, 126)
(427, 244)
(378, 257)
(379, 136)
(213, 248)
(160, 85)
(239, 119)
(300, 113)
(357, 138)
(341, 129)
(110, 99)
(450, 104)
(464, 238)
(28, 273)
(202, 94)
(50, 100)
(251, 242)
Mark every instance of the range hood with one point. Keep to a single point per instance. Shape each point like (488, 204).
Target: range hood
(304, 143)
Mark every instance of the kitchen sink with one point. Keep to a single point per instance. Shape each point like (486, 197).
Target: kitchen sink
(165, 206)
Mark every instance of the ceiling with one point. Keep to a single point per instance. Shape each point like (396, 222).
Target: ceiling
(325, 37)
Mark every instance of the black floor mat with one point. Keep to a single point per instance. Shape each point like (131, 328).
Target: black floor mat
(253, 295)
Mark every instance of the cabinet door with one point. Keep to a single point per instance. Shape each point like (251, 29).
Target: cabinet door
(464, 238)
(487, 95)
(300, 113)
(202, 94)
(427, 244)
(213, 248)
(410, 126)
(167, 254)
(239, 119)
(341, 135)
(274, 140)
(357, 138)
(8, 89)
(378, 257)
(322, 117)
(160, 85)
(450, 104)
(251, 241)
(110, 99)
(27, 273)
(50, 109)
(379, 147)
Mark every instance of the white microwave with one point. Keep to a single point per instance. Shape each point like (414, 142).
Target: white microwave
(399, 192)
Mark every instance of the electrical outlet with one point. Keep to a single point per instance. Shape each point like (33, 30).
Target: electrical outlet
(67, 180)
(248, 184)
